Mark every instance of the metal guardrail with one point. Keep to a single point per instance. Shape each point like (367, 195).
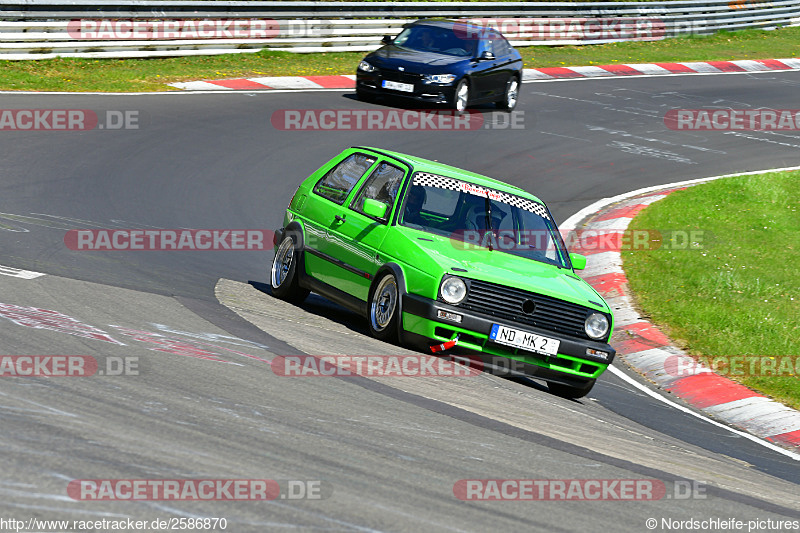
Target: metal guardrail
(38, 29)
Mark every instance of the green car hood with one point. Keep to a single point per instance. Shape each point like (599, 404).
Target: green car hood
(433, 253)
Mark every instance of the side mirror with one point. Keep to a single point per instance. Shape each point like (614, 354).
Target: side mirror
(387, 39)
(374, 208)
(578, 261)
(486, 55)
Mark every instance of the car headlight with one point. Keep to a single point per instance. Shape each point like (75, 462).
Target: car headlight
(366, 67)
(440, 78)
(453, 290)
(596, 326)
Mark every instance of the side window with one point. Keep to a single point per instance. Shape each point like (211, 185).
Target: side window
(382, 185)
(340, 180)
(484, 45)
(500, 47)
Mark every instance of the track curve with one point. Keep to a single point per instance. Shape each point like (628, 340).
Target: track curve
(391, 451)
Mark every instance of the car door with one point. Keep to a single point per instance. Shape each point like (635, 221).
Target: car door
(326, 209)
(505, 65)
(482, 70)
(356, 239)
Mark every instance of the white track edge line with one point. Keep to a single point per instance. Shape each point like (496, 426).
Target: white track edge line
(758, 440)
(569, 225)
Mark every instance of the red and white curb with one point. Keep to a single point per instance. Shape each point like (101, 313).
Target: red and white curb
(645, 348)
(661, 69)
(271, 82)
(529, 74)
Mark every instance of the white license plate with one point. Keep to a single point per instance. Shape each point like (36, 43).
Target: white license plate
(524, 340)
(397, 86)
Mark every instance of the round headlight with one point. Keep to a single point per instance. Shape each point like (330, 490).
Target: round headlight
(366, 67)
(453, 290)
(596, 326)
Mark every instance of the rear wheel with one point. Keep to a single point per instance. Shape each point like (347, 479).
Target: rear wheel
(283, 274)
(384, 309)
(509, 101)
(566, 391)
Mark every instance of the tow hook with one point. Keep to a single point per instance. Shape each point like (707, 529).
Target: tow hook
(444, 346)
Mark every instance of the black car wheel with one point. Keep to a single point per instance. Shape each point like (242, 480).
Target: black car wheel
(283, 274)
(364, 96)
(565, 391)
(509, 101)
(384, 298)
(460, 97)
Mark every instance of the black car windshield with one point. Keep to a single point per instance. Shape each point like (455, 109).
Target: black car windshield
(478, 217)
(435, 39)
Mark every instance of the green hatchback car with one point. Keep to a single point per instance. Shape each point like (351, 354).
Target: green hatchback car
(435, 255)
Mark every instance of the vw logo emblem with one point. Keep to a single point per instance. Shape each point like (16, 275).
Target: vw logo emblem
(528, 307)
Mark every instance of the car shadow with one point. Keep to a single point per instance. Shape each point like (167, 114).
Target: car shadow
(397, 102)
(318, 305)
(323, 307)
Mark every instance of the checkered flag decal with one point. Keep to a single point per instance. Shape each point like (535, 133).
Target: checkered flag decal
(434, 180)
(442, 182)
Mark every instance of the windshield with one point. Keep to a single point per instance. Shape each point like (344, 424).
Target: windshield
(477, 217)
(435, 39)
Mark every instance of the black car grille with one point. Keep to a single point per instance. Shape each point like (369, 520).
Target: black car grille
(402, 77)
(507, 303)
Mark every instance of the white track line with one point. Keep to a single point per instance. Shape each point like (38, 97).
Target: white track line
(569, 225)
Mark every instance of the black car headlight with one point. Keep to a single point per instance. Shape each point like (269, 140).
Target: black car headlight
(453, 290)
(596, 326)
(366, 67)
(439, 78)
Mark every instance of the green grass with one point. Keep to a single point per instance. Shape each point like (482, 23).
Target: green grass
(740, 293)
(114, 75)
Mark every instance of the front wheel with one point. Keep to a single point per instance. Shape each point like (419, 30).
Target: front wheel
(384, 309)
(460, 97)
(509, 101)
(566, 391)
(283, 274)
(364, 96)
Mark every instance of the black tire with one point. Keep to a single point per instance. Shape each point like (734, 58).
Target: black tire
(283, 272)
(364, 96)
(460, 97)
(566, 391)
(383, 308)
(510, 95)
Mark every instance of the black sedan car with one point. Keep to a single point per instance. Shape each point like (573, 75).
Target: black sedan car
(443, 62)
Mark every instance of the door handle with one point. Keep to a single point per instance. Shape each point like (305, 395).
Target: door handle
(339, 218)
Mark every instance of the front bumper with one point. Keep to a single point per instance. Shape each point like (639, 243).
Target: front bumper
(572, 366)
(433, 93)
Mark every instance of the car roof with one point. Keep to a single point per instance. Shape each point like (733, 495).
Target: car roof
(426, 165)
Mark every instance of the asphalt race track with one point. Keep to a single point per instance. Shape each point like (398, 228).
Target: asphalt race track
(198, 329)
